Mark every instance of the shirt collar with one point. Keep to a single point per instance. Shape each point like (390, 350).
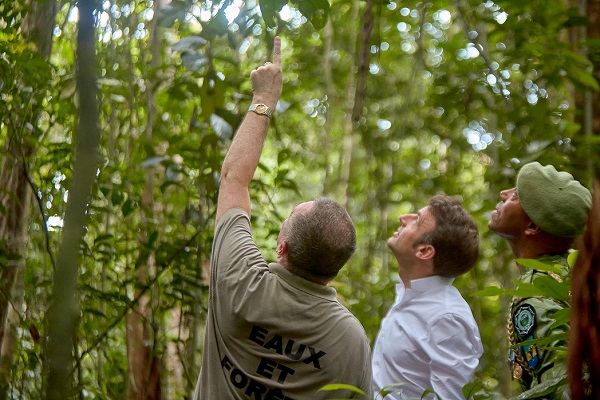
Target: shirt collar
(425, 284)
(325, 292)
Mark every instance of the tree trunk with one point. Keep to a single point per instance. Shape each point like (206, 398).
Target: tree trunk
(348, 144)
(15, 199)
(144, 365)
(64, 307)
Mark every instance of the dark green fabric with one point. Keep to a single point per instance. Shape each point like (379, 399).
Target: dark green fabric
(554, 201)
(548, 367)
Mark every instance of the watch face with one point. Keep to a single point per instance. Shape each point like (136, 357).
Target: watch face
(262, 109)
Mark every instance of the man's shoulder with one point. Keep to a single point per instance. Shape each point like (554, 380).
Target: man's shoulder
(345, 322)
(234, 221)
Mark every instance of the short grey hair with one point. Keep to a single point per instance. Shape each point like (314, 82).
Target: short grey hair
(321, 239)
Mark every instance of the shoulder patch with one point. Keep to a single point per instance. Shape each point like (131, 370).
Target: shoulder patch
(524, 320)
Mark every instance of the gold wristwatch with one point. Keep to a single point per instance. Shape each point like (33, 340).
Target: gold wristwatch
(261, 109)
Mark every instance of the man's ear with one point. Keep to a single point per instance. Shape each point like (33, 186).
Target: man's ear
(425, 251)
(281, 250)
(532, 229)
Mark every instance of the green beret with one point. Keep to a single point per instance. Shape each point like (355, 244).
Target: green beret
(554, 201)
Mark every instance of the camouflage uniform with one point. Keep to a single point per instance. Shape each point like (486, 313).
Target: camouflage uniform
(532, 318)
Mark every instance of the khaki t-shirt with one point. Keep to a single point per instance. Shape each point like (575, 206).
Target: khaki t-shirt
(272, 334)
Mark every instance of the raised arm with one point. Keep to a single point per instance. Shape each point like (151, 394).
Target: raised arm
(243, 155)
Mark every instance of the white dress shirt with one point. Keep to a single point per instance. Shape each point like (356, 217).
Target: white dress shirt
(428, 340)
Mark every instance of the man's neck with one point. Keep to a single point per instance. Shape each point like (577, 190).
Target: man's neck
(418, 272)
(528, 250)
(306, 275)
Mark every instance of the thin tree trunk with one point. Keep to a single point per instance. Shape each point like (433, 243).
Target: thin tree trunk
(144, 375)
(348, 143)
(64, 309)
(332, 100)
(359, 96)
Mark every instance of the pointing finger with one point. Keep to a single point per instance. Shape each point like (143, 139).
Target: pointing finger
(277, 51)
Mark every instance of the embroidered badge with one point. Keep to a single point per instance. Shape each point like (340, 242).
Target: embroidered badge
(524, 320)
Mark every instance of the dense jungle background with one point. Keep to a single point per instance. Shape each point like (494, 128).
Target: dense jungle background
(115, 117)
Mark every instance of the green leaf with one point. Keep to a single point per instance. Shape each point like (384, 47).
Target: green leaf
(490, 291)
(103, 238)
(471, 388)
(538, 265)
(525, 289)
(211, 95)
(128, 207)
(543, 389)
(217, 25)
(342, 386)
(550, 287)
(116, 197)
(391, 389)
(194, 60)
(190, 42)
(269, 10)
(429, 391)
(152, 239)
(172, 12)
(283, 156)
(572, 258)
(316, 11)
(221, 127)
(561, 318)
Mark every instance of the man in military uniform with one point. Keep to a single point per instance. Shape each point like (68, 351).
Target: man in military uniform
(540, 219)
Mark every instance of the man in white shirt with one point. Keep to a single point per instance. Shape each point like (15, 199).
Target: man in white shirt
(429, 338)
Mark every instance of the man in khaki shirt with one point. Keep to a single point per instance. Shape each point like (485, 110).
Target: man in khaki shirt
(276, 331)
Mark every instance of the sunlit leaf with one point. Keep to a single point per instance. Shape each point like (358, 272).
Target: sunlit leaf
(490, 291)
(572, 258)
(342, 386)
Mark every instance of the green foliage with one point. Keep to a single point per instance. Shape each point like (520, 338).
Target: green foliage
(341, 386)
(544, 389)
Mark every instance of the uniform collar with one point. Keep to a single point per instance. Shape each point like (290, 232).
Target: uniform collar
(325, 292)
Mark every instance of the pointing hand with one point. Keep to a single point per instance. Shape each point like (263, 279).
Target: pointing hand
(267, 80)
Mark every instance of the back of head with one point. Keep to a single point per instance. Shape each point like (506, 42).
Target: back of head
(553, 200)
(320, 240)
(455, 237)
